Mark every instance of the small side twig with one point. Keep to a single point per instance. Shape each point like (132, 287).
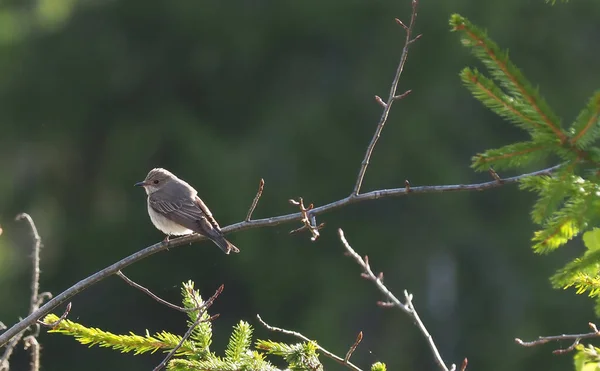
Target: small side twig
(407, 307)
(201, 310)
(152, 295)
(353, 347)
(327, 353)
(58, 321)
(495, 175)
(575, 337)
(261, 186)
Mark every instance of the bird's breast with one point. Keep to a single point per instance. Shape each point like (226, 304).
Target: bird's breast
(166, 225)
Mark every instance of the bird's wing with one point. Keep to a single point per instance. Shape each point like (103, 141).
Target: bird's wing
(189, 213)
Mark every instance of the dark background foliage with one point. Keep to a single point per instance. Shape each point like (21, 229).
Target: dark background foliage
(93, 94)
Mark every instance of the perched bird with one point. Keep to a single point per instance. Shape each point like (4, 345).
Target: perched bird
(175, 209)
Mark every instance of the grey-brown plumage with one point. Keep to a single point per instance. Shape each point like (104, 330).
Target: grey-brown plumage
(175, 209)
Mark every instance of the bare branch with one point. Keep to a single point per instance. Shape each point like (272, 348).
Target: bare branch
(261, 186)
(241, 226)
(391, 98)
(575, 337)
(34, 303)
(199, 320)
(407, 307)
(368, 274)
(152, 295)
(327, 353)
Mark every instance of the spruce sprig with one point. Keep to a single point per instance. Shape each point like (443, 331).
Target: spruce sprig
(569, 199)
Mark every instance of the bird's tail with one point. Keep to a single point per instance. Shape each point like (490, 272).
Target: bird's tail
(224, 245)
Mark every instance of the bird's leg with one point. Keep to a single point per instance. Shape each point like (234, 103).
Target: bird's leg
(167, 238)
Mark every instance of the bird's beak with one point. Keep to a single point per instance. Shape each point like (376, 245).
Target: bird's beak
(140, 184)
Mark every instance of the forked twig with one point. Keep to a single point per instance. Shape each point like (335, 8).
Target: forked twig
(575, 337)
(338, 359)
(391, 98)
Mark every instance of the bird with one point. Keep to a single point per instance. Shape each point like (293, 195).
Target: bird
(176, 210)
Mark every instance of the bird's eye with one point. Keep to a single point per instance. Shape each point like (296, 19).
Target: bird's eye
(155, 182)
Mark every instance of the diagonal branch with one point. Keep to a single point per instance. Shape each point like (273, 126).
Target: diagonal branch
(391, 98)
(241, 226)
(407, 307)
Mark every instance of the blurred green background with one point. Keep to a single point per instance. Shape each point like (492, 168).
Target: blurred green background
(93, 94)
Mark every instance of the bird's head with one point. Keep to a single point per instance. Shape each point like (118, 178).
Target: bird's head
(156, 179)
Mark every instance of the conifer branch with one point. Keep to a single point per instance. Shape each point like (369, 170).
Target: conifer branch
(407, 307)
(590, 118)
(202, 309)
(327, 353)
(486, 86)
(241, 226)
(575, 337)
(504, 66)
(391, 98)
(481, 159)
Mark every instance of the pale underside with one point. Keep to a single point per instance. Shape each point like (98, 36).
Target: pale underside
(166, 225)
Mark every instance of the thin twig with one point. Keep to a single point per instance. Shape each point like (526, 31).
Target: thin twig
(35, 274)
(261, 186)
(241, 226)
(152, 295)
(391, 98)
(327, 353)
(353, 347)
(575, 337)
(368, 274)
(204, 307)
(407, 307)
(59, 320)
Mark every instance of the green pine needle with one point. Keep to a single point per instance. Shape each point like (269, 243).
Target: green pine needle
(511, 156)
(137, 344)
(507, 74)
(586, 128)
